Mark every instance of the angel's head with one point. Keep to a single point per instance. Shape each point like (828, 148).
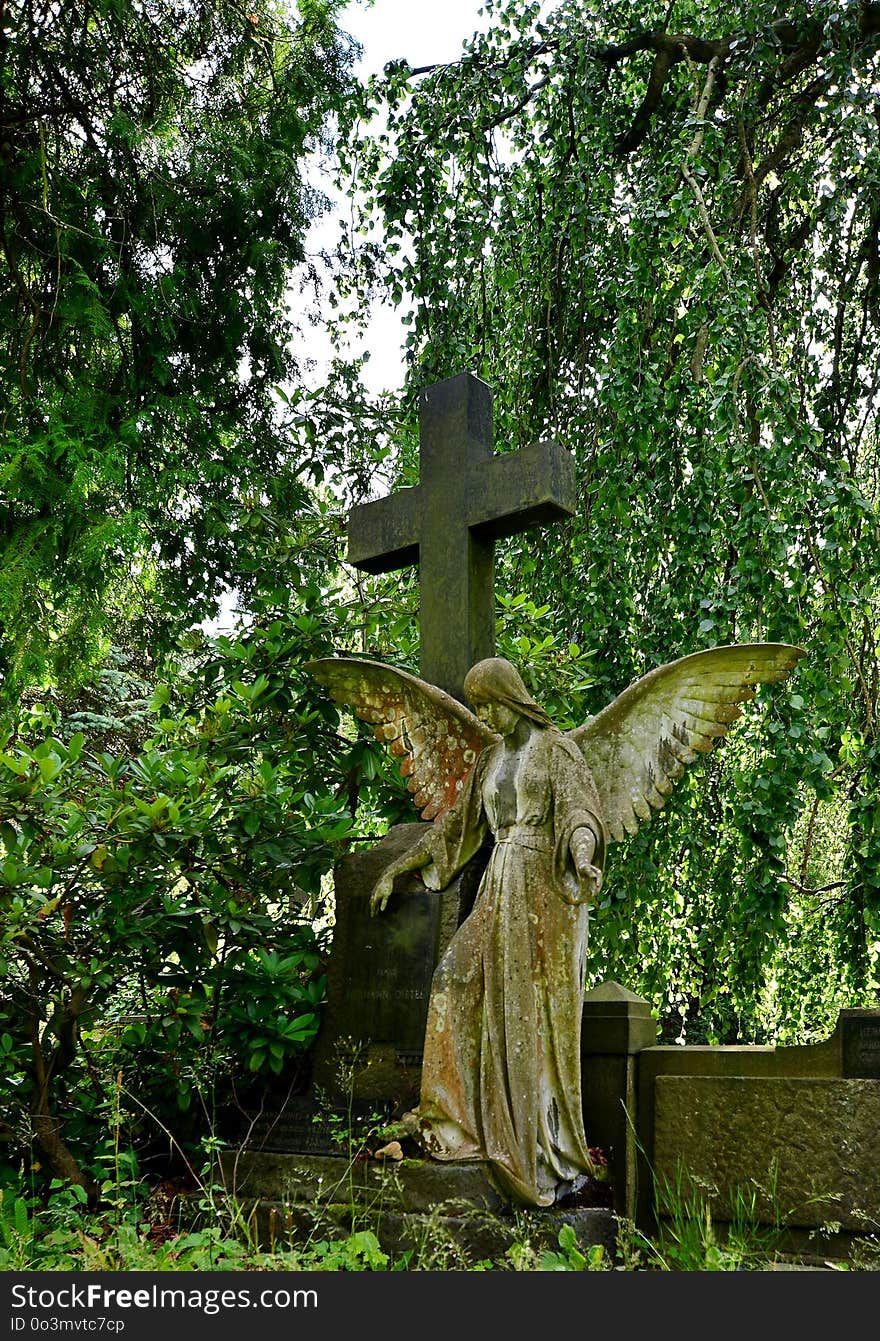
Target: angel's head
(499, 697)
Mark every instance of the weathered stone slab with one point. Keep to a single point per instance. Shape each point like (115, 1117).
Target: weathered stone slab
(379, 979)
(414, 1185)
(434, 1240)
(815, 1141)
(473, 1237)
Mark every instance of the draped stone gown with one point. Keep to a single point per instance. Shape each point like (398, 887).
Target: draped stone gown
(501, 1078)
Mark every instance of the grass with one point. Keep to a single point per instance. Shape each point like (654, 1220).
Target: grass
(141, 1229)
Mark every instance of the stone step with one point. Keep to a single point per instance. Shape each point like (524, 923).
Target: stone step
(434, 1239)
(412, 1184)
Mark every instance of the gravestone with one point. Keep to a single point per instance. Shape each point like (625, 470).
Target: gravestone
(381, 968)
(370, 1045)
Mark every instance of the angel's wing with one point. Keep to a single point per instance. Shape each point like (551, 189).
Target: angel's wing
(435, 736)
(638, 745)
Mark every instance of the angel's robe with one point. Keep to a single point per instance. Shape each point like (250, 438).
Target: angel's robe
(501, 1076)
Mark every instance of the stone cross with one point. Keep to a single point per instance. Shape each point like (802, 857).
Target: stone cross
(448, 524)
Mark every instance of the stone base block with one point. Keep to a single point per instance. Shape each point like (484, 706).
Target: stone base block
(411, 1185)
(446, 1216)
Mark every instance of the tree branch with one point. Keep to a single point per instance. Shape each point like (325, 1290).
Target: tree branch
(799, 46)
(806, 889)
(690, 179)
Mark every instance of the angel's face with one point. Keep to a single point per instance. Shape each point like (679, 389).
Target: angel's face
(497, 717)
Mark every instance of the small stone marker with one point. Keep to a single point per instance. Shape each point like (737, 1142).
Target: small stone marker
(860, 1044)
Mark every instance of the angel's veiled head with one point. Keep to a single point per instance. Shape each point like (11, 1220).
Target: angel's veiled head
(496, 681)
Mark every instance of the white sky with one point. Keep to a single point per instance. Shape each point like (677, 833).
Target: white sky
(421, 31)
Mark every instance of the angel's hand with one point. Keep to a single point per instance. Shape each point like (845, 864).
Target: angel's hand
(591, 880)
(381, 893)
(583, 849)
(411, 861)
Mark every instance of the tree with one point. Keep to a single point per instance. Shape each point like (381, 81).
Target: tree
(656, 235)
(153, 209)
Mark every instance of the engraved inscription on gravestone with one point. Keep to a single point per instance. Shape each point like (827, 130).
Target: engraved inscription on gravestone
(303, 1125)
(860, 1036)
(387, 987)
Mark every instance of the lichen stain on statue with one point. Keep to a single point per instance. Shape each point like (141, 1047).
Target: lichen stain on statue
(501, 1075)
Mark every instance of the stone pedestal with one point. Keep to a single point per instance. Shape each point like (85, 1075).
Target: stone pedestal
(616, 1025)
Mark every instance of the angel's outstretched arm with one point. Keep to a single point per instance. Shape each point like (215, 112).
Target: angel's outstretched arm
(445, 848)
(580, 835)
(414, 860)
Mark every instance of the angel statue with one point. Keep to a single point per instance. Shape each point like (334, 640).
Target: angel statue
(501, 1079)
